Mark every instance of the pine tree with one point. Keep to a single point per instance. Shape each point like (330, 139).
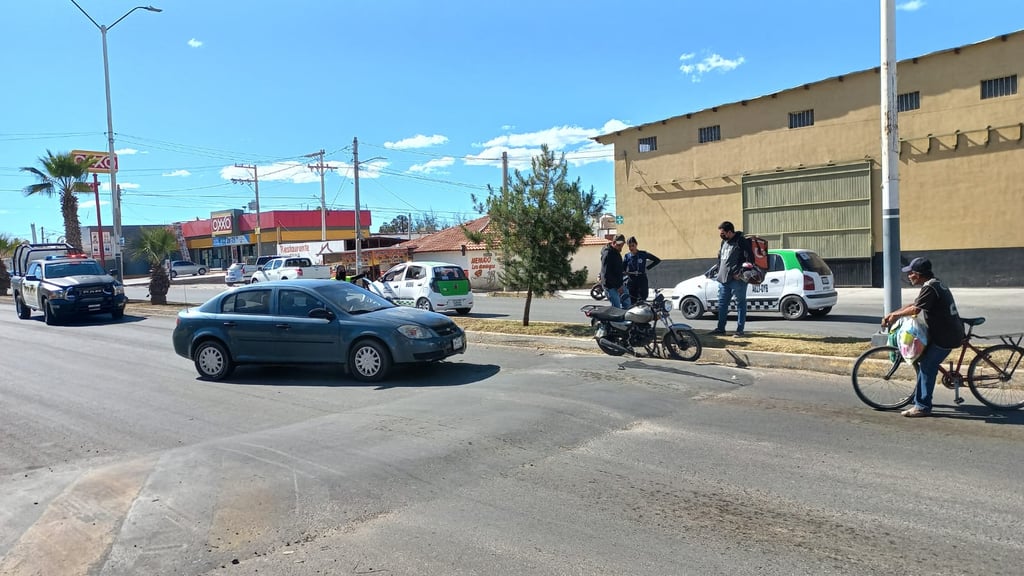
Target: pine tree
(536, 225)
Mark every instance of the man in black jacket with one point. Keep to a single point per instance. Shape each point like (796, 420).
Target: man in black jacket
(732, 254)
(611, 270)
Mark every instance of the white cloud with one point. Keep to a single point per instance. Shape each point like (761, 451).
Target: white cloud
(433, 166)
(574, 141)
(195, 43)
(91, 204)
(911, 6)
(417, 141)
(708, 64)
(507, 127)
(126, 151)
(178, 173)
(299, 173)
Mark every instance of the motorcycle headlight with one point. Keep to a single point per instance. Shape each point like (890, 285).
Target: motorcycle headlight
(668, 305)
(415, 332)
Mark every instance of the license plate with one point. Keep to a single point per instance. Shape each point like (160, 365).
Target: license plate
(824, 281)
(600, 331)
(457, 343)
(455, 302)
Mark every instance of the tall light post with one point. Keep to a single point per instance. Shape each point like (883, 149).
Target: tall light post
(115, 196)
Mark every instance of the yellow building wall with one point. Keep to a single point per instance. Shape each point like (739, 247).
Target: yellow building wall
(955, 191)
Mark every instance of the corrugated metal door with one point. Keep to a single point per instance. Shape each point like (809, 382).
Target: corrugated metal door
(825, 209)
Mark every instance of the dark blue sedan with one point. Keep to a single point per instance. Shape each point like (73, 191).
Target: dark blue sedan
(311, 322)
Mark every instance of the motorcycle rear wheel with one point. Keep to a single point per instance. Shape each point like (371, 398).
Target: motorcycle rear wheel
(682, 344)
(597, 292)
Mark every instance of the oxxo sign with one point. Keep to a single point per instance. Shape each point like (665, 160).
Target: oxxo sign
(222, 223)
(96, 161)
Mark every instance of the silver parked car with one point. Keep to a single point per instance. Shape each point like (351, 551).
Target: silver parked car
(186, 268)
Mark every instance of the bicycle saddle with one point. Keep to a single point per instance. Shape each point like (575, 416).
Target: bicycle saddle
(972, 321)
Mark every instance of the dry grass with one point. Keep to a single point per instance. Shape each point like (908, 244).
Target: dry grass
(760, 341)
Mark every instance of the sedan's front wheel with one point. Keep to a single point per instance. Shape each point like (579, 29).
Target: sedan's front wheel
(369, 361)
(213, 361)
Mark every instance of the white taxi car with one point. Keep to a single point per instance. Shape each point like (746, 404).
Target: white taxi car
(797, 283)
(437, 286)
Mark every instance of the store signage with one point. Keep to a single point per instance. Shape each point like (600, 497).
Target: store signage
(222, 223)
(231, 240)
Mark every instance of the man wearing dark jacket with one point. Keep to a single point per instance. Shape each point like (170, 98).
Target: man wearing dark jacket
(611, 270)
(732, 254)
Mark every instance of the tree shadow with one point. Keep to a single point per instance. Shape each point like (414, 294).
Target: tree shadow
(435, 374)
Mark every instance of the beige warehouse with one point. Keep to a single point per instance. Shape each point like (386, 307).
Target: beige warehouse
(801, 168)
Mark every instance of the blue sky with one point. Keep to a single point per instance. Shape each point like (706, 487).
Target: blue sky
(434, 90)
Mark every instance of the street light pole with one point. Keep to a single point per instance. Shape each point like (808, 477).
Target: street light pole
(115, 196)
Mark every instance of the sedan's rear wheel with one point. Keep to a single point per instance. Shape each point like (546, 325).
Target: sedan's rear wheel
(369, 361)
(202, 271)
(174, 273)
(213, 361)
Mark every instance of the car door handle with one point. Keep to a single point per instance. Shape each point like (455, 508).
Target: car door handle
(775, 281)
(230, 324)
(282, 326)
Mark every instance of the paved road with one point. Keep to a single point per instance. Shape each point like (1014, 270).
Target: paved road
(857, 314)
(116, 460)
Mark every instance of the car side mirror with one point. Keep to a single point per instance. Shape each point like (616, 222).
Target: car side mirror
(322, 313)
(112, 271)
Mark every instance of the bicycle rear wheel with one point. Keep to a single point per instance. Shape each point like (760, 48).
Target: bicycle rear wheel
(993, 379)
(883, 380)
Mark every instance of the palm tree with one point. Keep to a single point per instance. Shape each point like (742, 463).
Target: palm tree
(7, 245)
(60, 174)
(156, 245)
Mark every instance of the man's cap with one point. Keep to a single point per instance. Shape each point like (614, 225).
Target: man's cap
(619, 239)
(919, 265)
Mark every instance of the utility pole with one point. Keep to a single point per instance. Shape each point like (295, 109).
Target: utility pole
(890, 162)
(355, 180)
(255, 181)
(321, 169)
(33, 225)
(504, 172)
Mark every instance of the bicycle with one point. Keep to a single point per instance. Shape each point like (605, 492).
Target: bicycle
(884, 380)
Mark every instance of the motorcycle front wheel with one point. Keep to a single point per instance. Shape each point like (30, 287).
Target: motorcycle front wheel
(682, 344)
(597, 292)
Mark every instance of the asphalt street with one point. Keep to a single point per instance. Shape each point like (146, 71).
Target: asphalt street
(116, 460)
(857, 314)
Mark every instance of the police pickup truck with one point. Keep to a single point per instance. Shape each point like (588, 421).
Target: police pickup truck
(61, 282)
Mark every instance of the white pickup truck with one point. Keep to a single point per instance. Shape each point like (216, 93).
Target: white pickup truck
(289, 269)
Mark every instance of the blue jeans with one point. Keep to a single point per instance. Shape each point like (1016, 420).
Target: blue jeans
(613, 296)
(726, 292)
(927, 371)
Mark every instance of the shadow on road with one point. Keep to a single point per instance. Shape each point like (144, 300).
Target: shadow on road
(642, 365)
(329, 375)
(981, 414)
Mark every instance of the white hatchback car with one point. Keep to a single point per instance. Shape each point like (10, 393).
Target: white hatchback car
(797, 283)
(437, 286)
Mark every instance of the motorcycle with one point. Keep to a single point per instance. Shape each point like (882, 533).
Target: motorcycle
(619, 331)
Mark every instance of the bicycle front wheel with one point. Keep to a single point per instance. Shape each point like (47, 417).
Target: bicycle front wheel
(883, 380)
(993, 379)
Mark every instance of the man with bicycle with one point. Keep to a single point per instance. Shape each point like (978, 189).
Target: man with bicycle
(945, 330)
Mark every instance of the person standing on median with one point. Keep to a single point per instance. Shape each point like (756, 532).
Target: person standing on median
(636, 263)
(611, 270)
(733, 253)
(945, 330)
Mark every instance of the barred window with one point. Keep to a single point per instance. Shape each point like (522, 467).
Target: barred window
(997, 87)
(649, 144)
(801, 119)
(709, 134)
(908, 101)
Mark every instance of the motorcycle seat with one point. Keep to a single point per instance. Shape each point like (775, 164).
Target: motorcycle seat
(609, 313)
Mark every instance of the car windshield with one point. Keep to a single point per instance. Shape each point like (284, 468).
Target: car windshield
(65, 269)
(811, 262)
(351, 298)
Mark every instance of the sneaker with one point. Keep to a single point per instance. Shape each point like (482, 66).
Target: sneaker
(740, 333)
(916, 412)
(717, 332)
